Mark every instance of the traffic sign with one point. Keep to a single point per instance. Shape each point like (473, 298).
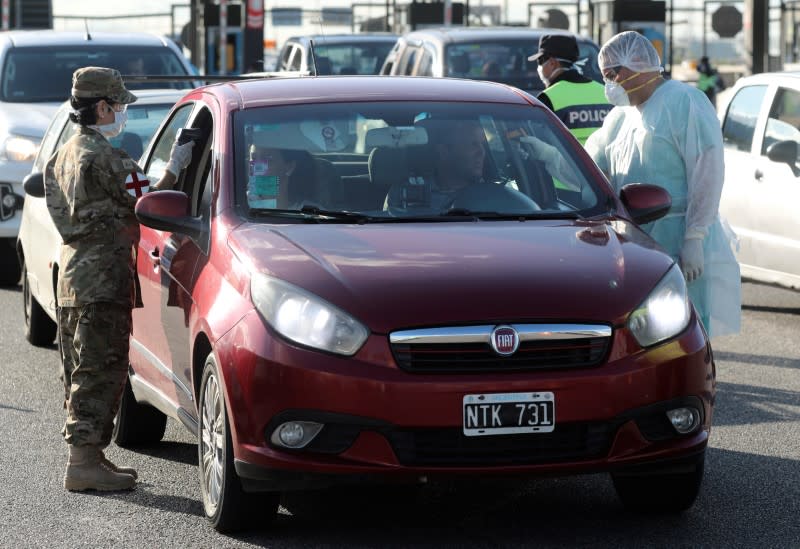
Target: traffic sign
(726, 21)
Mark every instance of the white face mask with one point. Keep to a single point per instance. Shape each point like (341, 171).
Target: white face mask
(616, 94)
(539, 70)
(116, 127)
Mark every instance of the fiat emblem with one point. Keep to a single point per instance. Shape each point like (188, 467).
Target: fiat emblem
(505, 340)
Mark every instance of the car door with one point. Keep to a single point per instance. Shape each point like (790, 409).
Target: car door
(776, 235)
(742, 165)
(149, 350)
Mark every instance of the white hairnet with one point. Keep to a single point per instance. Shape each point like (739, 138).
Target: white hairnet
(629, 49)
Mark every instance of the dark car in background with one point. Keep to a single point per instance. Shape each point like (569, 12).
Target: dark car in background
(323, 336)
(362, 53)
(499, 54)
(35, 78)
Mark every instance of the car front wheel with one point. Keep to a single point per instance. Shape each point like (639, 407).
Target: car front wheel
(226, 505)
(137, 424)
(667, 492)
(40, 330)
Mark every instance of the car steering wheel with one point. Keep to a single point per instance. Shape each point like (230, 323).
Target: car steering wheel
(493, 197)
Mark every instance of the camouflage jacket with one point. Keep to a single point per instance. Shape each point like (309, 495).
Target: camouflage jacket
(86, 197)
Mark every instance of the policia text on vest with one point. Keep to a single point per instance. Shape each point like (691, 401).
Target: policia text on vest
(582, 107)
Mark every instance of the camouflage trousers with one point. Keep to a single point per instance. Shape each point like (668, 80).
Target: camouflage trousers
(94, 342)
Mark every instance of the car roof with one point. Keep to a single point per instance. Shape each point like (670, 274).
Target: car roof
(473, 34)
(346, 38)
(327, 89)
(42, 38)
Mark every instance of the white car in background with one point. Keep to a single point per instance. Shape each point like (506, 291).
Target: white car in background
(35, 77)
(761, 132)
(39, 243)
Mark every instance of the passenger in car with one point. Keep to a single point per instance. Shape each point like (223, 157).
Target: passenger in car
(458, 151)
(282, 178)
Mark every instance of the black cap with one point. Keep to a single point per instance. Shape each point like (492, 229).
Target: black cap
(562, 46)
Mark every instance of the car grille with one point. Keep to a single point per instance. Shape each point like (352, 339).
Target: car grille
(469, 349)
(568, 442)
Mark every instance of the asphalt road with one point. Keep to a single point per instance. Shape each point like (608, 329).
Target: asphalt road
(750, 496)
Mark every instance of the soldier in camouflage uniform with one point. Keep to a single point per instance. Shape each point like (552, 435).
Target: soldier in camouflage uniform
(97, 283)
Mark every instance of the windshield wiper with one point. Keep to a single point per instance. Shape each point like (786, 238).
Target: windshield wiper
(312, 213)
(476, 214)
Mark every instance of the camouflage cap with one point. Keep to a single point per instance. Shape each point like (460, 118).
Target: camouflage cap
(90, 82)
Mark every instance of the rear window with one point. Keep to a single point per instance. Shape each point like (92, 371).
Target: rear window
(32, 75)
(364, 58)
(506, 61)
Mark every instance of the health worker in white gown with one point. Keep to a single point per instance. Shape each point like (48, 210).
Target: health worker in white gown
(666, 133)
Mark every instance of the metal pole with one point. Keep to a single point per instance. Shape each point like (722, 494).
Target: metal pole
(223, 36)
(6, 9)
(18, 15)
(705, 40)
(448, 13)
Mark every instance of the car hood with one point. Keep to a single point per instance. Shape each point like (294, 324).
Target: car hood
(395, 276)
(28, 119)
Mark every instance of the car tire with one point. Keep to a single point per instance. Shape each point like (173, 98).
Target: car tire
(40, 330)
(10, 269)
(137, 424)
(669, 492)
(226, 505)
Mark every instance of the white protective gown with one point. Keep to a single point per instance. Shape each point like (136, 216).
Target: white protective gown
(674, 140)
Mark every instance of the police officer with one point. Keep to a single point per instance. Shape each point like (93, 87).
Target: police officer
(578, 101)
(94, 214)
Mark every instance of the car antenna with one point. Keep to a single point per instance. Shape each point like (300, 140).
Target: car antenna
(86, 24)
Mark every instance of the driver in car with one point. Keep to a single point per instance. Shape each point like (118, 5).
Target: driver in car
(459, 152)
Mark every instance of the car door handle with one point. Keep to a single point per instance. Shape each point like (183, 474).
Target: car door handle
(759, 175)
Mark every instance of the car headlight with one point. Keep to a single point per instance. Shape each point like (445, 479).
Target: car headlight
(20, 149)
(665, 313)
(306, 318)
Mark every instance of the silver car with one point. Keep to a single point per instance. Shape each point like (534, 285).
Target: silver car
(35, 77)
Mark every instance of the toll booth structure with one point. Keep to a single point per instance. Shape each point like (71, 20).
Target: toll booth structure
(226, 37)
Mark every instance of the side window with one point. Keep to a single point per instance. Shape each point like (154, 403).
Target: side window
(157, 163)
(425, 64)
(783, 123)
(296, 59)
(740, 120)
(407, 61)
(49, 144)
(286, 56)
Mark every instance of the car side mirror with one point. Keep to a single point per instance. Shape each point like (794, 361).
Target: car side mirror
(645, 202)
(34, 184)
(169, 211)
(784, 152)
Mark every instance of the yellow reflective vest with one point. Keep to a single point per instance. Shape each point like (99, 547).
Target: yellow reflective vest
(582, 107)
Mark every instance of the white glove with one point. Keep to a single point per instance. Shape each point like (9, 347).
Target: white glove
(692, 258)
(179, 157)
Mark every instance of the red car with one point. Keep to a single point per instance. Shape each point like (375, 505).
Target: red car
(367, 279)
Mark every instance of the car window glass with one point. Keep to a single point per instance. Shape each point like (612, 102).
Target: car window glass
(783, 123)
(408, 61)
(157, 163)
(296, 59)
(425, 64)
(48, 146)
(352, 157)
(354, 58)
(739, 124)
(24, 66)
(506, 61)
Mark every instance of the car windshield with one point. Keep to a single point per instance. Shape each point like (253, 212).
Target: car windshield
(407, 160)
(23, 69)
(357, 58)
(506, 61)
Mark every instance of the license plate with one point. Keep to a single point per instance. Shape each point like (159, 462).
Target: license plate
(508, 413)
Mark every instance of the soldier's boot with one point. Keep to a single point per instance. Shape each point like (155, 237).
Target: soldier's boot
(86, 471)
(117, 468)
